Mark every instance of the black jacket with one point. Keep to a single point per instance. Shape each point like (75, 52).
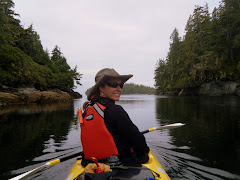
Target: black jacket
(124, 132)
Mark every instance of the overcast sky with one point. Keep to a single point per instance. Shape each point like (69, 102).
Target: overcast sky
(127, 35)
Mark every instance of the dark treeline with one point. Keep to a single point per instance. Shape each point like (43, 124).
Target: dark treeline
(23, 60)
(131, 88)
(208, 52)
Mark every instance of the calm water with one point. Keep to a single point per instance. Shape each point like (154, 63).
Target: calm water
(207, 147)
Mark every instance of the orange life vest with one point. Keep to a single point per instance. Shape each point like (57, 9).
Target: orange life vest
(96, 140)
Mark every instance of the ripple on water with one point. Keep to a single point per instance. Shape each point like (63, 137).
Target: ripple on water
(180, 165)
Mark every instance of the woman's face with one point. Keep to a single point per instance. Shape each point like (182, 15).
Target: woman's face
(112, 89)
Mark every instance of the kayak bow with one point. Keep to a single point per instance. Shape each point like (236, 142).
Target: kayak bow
(154, 168)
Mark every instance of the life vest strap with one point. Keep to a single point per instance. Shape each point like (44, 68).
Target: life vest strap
(99, 110)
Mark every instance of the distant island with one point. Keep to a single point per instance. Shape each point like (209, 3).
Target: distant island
(131, 88)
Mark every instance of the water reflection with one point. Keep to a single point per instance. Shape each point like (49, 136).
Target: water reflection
(27, 131)
(34, 108)
(211, 134)
(141, 109)
(207, 147)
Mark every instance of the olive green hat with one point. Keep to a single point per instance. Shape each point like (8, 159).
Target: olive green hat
(103, 76)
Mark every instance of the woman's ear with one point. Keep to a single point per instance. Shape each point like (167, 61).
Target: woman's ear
(101, 88)
(101, 91)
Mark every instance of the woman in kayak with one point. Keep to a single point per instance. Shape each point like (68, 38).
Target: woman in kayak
(106, 128)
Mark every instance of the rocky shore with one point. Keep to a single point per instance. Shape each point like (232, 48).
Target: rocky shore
(31, 95)
(209, 89)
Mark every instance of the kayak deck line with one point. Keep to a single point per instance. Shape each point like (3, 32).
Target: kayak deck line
(152, 165)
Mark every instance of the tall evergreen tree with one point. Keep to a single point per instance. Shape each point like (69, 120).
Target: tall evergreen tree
(59, 61)
(161, 76)
(173, 56)
(56, 53)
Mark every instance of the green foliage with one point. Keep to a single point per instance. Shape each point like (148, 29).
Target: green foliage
(23, 60)
(209, 51)
(29, 42)
(59, 63)
(56, 53)
(162, 75)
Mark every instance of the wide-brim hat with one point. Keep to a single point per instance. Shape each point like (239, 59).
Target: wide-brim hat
(103, 76)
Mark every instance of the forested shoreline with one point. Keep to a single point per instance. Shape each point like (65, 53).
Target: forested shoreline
(131, 88)
(205, 60)
(208, 53)
(24, 62)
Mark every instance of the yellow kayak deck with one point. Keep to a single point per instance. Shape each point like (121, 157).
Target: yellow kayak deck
(153, 165)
